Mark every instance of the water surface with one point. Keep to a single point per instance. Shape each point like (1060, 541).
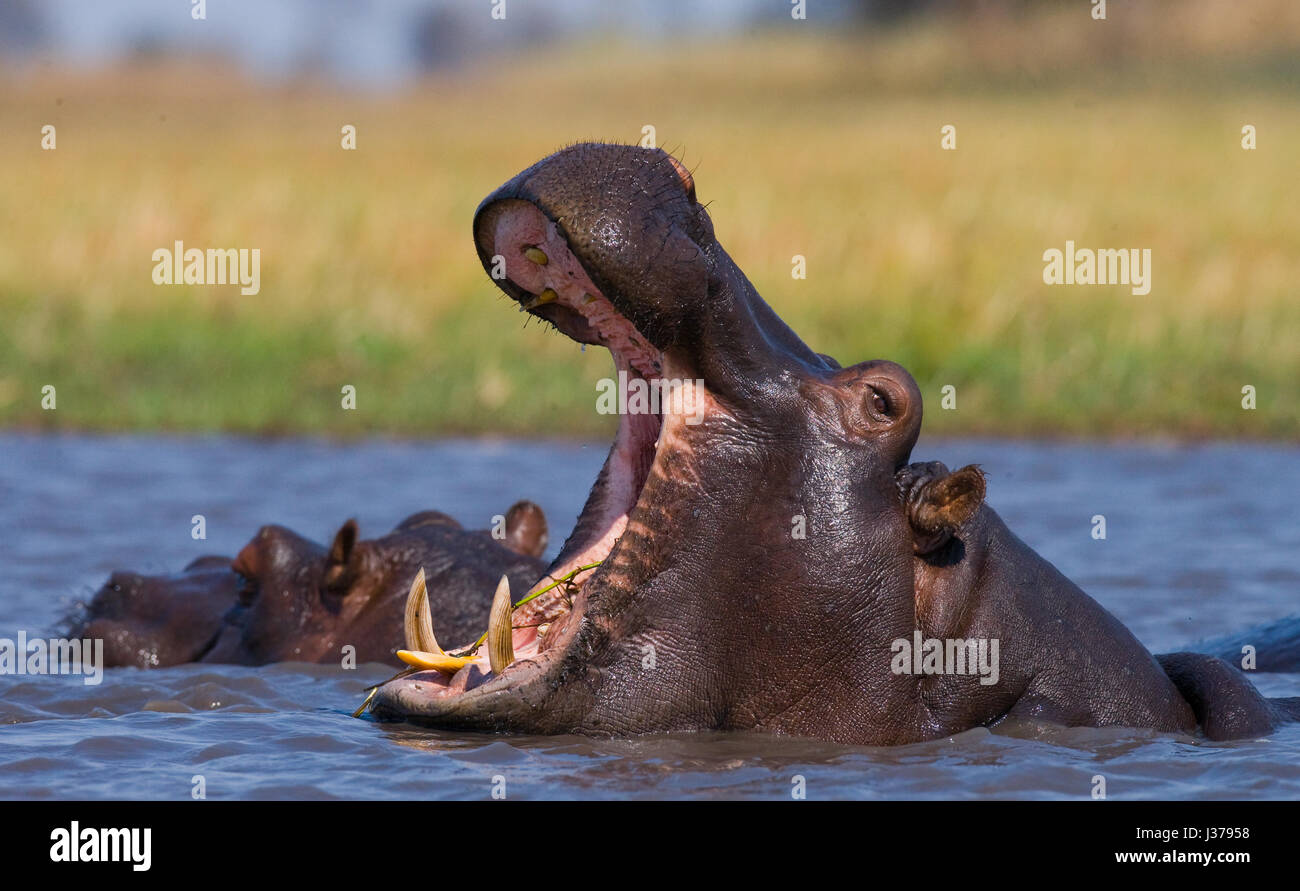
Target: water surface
(1201, 540)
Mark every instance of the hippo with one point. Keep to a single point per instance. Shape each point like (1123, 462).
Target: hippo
(976, 580)
(1269, 647)
(152, 621)
(289, 598)
(755, 557)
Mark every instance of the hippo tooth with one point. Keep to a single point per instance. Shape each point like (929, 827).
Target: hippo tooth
(500, 639)
(411, 619)
(547, 296)
(588, 298)
(418, 624)
(439, 661)
(537, 255)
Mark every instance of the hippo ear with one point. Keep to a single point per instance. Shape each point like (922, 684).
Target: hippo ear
(938, 503)
(526, 531)
(340, 554)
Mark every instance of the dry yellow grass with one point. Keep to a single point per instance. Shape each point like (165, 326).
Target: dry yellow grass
(802, 144)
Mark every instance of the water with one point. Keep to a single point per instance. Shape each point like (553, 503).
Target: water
(1201, 540)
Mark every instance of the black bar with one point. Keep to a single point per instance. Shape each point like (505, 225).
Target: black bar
(423, 839)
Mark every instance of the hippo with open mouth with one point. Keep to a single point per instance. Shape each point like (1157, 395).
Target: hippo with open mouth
(754, 562)
(285, 597)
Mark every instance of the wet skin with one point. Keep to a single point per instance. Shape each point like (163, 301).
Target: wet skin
(707, 610)
(287, 598)
(976, 579)
(1273, 646)
(151, 621)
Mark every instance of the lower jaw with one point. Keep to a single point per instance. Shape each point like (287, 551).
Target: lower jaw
(545, 626)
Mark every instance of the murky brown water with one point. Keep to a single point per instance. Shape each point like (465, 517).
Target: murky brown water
(1201, 540)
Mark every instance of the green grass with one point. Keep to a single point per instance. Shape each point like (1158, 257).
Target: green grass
(826, 147)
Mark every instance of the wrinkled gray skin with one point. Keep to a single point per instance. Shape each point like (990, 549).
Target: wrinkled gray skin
(750, 627)
(285, 597)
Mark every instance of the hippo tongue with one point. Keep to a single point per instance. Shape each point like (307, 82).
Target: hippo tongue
(467, 678)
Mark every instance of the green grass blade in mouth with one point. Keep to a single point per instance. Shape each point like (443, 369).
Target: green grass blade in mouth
(560, 581)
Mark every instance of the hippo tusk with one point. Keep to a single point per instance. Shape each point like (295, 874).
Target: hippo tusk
(418, 624)
(423, 660)
(422, 650)
(500, 641)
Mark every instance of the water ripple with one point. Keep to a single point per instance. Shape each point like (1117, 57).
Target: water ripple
(1223, 560)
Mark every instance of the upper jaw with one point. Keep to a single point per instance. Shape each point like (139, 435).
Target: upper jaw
(714, 327)
(544, 274)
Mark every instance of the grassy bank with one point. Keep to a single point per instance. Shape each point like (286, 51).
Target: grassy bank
(802, 144)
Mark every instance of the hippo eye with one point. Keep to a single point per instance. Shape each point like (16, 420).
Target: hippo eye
(878, 403)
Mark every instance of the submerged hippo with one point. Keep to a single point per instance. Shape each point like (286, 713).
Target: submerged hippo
(151, 621)
(764, 550)
(1272, 646)
(289, 598)
(976, 580)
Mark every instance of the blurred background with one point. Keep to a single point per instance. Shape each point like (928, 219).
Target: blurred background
(818, 137)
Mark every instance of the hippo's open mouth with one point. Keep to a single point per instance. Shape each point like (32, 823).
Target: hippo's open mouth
(698, 600)
(547, 279)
